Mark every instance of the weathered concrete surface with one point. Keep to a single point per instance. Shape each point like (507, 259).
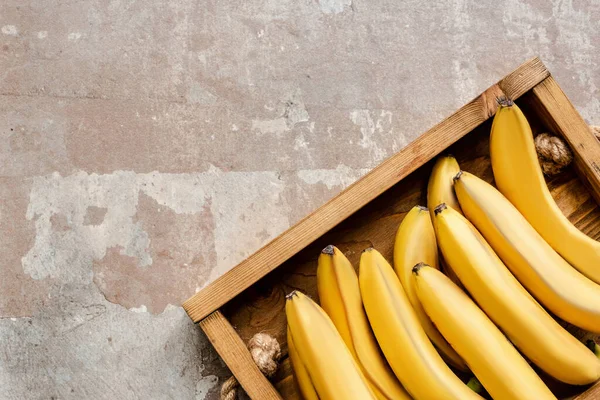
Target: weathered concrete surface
(148, 146)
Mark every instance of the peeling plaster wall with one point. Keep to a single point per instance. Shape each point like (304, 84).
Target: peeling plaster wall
(146, 147)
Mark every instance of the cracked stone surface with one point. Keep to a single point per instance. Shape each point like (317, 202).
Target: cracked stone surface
(149, 146)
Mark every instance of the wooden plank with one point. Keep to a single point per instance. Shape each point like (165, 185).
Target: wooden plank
(573, 128)
(521, 80)
(362, 192)
(237, 357)
(592, 393)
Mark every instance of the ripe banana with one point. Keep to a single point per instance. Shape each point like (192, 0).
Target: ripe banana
(519, 177)
(440, 189)
(500, 368)
(544, 273)
(533, 331)
(330, 365)
(415, 242)
(408, 350)
(340, 297)
(302, 377)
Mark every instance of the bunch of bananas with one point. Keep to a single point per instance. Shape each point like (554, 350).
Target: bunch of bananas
(411, 330)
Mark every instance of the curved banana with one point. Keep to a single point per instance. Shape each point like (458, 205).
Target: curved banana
(544, 273)
(406, 346)
(332, 369)
(301, 374)
(415, 242)
(440, 188)
(533, 331)
(500, 368)
(519, 177)
(340, 297)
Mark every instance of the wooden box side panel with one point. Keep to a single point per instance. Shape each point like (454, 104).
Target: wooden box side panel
(233, 351)
(555, 108)
(260, 308)
(363, 191)
(592, 393)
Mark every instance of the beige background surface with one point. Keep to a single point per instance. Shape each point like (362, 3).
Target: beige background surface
(148, 146)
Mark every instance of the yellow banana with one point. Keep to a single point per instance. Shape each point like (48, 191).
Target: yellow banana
(544, 273)
(519, 177)
(415, 242)
(539, 337)
(406, 346)
(440, 189)
(332, 369)
(500, 368)
(340, 297)
(302, 377)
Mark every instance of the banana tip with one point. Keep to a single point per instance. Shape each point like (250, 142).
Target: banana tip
(292, 294)
(504, 101)
(590, 344)
(423, 208)
(368, 249)
(457, 176)
(439, 208)
(328, 250)
(417, 267)
(593, 346)
(475, 385)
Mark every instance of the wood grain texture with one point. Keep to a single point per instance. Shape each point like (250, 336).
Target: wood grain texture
(362, 192)
(568, 123)
(518, 82)
(592, 393)
(237, 357)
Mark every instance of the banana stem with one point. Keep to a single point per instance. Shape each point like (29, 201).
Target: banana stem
(475, 385)
(593, 346)
(457, 176)
(439, 208)
(504, 101)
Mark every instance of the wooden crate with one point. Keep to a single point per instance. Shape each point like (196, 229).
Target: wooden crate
(250, 298)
